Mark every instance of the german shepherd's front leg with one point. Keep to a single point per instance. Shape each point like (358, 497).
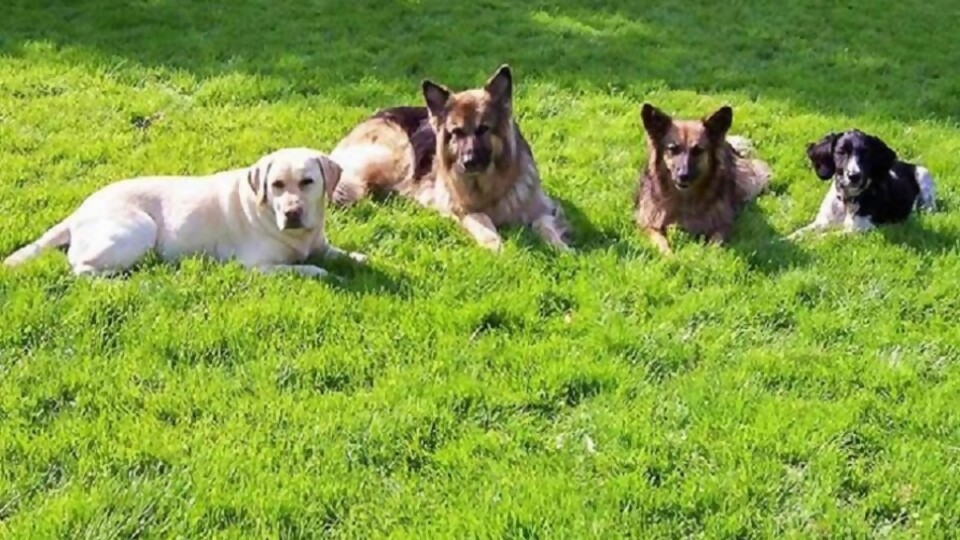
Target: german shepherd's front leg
(481, 227)
(659, 241)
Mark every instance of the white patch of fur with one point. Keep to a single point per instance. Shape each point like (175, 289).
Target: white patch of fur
(928, 196)
(853, 223)
(741, 144)
(853, 167)
(831, 214)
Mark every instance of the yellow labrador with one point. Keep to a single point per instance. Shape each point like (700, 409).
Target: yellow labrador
(269, 217)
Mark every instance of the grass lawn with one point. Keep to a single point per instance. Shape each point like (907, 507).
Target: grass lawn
(767, 390)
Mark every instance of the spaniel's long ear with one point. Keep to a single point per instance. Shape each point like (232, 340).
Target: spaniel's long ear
(656, 122)
(820, 154)
(718, 123)
(882, 157)
(257, 176)
(331, 172)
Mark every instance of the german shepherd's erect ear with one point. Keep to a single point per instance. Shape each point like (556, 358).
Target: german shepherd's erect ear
(437, 96)
(500, 86)
(718, 123)
(655, 122)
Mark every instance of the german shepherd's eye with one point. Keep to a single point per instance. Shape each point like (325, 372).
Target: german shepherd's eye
(673, 148)
(306, 182)
(457, 133)
(481, 130)
(277, 184)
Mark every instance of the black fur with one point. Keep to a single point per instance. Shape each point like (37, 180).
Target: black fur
(890, 186)
(415, 121)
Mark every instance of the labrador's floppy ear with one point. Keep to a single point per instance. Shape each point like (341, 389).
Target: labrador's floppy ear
(257, 178)
(331, 172)
(820, 154)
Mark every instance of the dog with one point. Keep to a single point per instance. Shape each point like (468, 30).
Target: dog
(461, 154)
(694, 177)
(269, 216)
(870, 187)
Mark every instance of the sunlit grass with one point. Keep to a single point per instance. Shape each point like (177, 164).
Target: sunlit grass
(769, 389)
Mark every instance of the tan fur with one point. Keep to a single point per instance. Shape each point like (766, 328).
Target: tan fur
(696, 177)
(462, 155)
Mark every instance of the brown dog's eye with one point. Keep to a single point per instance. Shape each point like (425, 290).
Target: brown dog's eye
(482, 129)
(277, 185)
(696, 150)
(673, 148)
(306, 182)
(457, 132)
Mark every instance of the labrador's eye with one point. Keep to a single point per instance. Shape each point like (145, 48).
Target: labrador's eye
(277, 185)
(306, 182)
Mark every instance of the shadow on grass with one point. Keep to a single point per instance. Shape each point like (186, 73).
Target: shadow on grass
(583, 236)
(764, 248)
(368, 278)
(810, 55)
(917, 237)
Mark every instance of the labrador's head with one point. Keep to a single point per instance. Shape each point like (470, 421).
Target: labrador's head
(293, 184)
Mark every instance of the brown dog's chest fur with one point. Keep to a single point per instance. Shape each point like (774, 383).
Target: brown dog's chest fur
(486, 191)
(706, 209)
(507, 192)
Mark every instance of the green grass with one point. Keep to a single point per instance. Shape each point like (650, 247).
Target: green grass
(766, 390)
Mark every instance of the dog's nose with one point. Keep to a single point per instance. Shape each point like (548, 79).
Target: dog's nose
(293, 218)
(472, 162)
(684, 177)
(854, 177)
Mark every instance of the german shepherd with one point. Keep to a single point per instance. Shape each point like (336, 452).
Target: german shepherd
(462, 154)
(695, 176)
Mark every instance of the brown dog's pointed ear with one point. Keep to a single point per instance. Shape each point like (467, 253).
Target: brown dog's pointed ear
(820, 154)
(718, 123)
(436, 96)
(500, 85)
(655, 121)
(331, 171)
(257, 178)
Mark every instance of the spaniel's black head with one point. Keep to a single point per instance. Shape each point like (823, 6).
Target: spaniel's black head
(852, 158)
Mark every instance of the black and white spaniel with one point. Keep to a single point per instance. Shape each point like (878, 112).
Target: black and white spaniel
(870, 187)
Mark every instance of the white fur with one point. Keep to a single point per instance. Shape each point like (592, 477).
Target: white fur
(853, 167)
(854, 223)
(928, 196)
(831, 214)
(223, 216)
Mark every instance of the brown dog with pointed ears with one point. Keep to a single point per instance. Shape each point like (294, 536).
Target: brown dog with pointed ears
(695, 177)
(462, 154)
